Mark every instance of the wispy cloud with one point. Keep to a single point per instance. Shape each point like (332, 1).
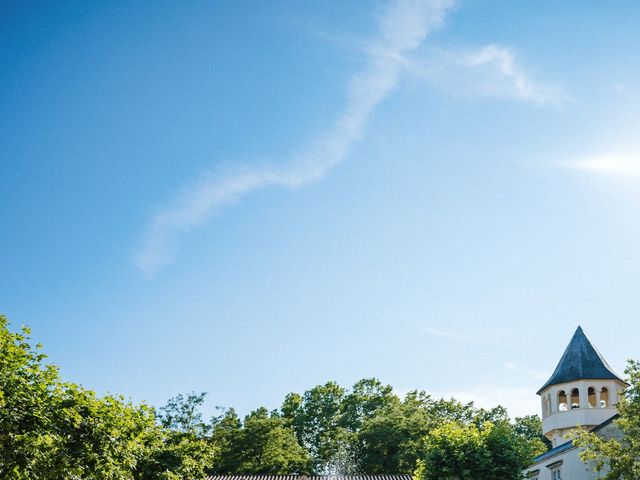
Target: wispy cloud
(491, 70)
(625, 165)
(402, 28)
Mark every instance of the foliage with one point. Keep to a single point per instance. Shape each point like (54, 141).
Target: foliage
(51, 429)
(455, 451)
(530, 427)
(393, 440)
(175, 455)
(619, 457)
(316, 419)
(328, 418)
(182, 414)
(262, 444)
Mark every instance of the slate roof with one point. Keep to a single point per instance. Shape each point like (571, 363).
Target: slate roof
(309, 477)
(580, 361)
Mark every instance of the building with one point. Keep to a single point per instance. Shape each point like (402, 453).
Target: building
(582, 391)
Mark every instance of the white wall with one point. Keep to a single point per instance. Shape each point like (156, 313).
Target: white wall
(572, 467)
(556, 424)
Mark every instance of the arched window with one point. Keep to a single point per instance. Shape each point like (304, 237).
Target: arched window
(547, 404)
(604, 397)
(575, 399)
(592, 397)
(562, 401)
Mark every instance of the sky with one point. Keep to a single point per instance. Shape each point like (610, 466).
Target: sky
(251, 198)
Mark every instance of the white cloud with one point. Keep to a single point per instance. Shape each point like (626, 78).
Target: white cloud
(402, 28)
(617, 165)
(491, 71)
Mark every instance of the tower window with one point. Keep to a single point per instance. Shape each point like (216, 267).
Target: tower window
(562, 401)
(604, 397)
(547, 405)
(592, 397)
(575, 399)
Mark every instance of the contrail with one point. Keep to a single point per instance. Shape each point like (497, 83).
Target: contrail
(402, 27)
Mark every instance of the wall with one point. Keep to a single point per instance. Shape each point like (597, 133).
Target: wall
(572, 468)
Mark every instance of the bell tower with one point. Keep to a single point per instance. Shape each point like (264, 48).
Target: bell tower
(583, 390)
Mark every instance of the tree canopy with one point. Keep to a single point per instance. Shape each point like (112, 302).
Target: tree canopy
(458, 451)
(52, 429)
(618, 458)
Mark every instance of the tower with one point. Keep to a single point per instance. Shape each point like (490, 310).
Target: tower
(583, 390)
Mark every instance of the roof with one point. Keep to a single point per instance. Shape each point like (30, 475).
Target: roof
(554, 451)
(309, 477)
(580, 361)
(569, 445)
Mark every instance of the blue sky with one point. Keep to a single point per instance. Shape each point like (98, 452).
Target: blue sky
(250, 198)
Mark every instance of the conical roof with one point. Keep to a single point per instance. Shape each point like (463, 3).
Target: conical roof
(580, 361)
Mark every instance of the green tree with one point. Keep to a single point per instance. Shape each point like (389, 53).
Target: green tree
(619, 457)
(316, 419)
(180, 448)
(182, 414)
(455, 451)
(392, 440)
(327, 419)
(174, 455)
(364, 400)
(263, 444)
(50, 429)
(530, 427)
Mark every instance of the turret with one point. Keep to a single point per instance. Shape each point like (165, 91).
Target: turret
(583, 390)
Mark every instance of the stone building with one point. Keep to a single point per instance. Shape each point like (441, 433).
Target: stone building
(582, 391)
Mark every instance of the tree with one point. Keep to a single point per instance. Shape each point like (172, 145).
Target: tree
(316, 419)
(619, 457)
(530, 427)
(50, 429)
(364, 400)
(392, 440)
(263, 444)
(174, 455)
(180, 448)
(455, 451)
(182, 414)
(327, 419)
